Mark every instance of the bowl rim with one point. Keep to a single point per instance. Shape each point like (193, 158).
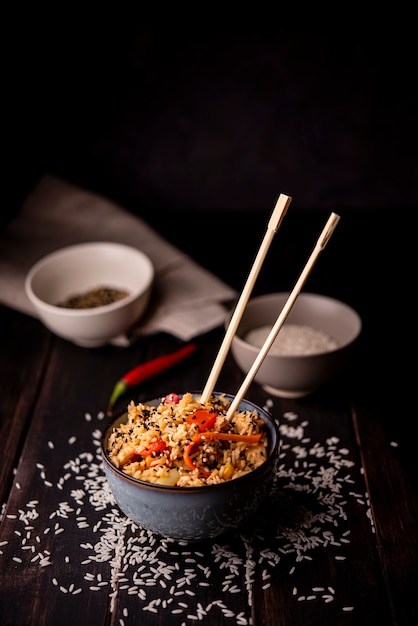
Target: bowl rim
(307, 296)
(88, 312)
(274, 447)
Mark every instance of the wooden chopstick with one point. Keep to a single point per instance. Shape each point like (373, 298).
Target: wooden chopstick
(276, 218)
(320, 245)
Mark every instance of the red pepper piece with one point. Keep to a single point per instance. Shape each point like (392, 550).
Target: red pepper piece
(155, 446)
(172, 398)
(203, 418)
(147, 370)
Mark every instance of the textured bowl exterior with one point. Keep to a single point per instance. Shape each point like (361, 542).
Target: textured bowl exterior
(194, 513)
(81, 267)
(298, 375)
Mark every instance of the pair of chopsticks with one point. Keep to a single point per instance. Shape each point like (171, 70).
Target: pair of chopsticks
(276, 219)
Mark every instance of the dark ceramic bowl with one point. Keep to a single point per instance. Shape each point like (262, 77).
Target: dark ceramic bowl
(194, 513)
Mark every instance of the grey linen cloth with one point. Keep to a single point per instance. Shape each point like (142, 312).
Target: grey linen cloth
(187, 300)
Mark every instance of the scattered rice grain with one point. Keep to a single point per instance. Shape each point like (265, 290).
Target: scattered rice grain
(111, 541)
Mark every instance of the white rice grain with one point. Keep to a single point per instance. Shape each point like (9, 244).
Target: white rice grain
(293, 339)
(138, 563)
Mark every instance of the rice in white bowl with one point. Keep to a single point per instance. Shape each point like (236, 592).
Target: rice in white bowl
(184, 443)
(293, 339)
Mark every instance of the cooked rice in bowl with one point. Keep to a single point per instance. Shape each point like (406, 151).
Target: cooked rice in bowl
(179, 468)
(182, 443)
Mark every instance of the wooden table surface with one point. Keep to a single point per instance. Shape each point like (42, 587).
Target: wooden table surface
(336, 543)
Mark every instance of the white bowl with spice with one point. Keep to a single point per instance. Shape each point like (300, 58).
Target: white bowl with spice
(90, 293)
(312, 347)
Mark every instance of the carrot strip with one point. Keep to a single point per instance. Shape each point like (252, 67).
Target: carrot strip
(186, 456)
(213, 434)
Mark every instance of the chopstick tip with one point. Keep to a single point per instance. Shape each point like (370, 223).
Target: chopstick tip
(279, 212)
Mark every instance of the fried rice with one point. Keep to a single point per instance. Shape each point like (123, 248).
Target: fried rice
(184, 443)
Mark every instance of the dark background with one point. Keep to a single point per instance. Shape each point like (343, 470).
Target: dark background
(197, 122)
(202, 112)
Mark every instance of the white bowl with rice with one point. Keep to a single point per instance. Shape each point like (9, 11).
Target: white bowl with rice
(184, 470)
(90, 293)
(312, 347)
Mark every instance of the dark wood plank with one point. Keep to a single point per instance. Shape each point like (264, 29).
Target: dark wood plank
(392, 483)
(71, 404)
(25, 346)
(349, 562)
(78, 382)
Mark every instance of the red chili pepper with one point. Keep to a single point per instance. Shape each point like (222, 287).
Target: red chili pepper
(147, 370)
